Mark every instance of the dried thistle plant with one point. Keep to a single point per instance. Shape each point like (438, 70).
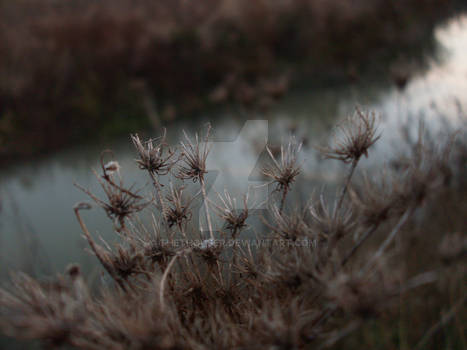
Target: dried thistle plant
(154, 243)
(353, 138)
(285, 286)
(289, 226)
(374, 201)
(235, 219)
(157, 158)
(351, 141)
(121, 202)
(283, 172)
(178, 209)
(125, 262)
(330, 223)
(193, 167)
(155, 155)
(193, 157)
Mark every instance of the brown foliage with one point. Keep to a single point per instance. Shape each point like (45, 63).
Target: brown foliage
(305, 282)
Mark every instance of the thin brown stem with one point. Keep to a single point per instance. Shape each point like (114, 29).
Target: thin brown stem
(284, 195)
(360, 242)
(92, 244)
(206, 207)
(346, 186)
(164, 278)
(159, 194)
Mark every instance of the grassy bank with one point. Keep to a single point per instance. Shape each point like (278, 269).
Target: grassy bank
(79, 68)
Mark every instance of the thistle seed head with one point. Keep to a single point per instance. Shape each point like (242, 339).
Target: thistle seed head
(178, 210)
(284, 170)
(227, 211)
(154, 155)
(193, 157)
(353, 137)
(121, 202)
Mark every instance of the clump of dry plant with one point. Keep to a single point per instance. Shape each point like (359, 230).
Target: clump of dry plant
(235, 219)
(178, 209)
(121, 202)
(309, 277)
(284, 171)
(353, 137)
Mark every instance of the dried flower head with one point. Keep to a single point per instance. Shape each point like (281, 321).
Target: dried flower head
(329, 221)
(158, 252)
(234, 219)
(374, 201)
(154, 156)
(121, 202)
(284, 171)
(289, 226)
(122, 262)
(178, 210)
(126, 261)
(194, 155)
(248, 264)
(353, 138)
(209, 250)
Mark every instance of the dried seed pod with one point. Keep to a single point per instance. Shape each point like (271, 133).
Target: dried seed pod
(178, 209)
(154, 156)
(353, 138)
(193, 157)
(234, 219)
(121, 202)
(283, 172)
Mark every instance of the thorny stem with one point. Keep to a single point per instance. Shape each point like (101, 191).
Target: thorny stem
(346, 186)
(92, 244)
(208, 217)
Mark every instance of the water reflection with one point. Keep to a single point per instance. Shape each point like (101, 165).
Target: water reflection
(38, 196)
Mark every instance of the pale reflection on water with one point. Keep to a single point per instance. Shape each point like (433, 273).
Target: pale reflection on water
(37, 221)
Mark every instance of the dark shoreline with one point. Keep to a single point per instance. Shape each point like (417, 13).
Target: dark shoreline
(103, 91)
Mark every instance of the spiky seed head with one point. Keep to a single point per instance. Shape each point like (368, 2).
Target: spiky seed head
(155, 156)
(284, 170)
(353, 138)
(193, 157)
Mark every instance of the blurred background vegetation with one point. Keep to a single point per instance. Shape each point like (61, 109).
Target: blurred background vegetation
(70, 70)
